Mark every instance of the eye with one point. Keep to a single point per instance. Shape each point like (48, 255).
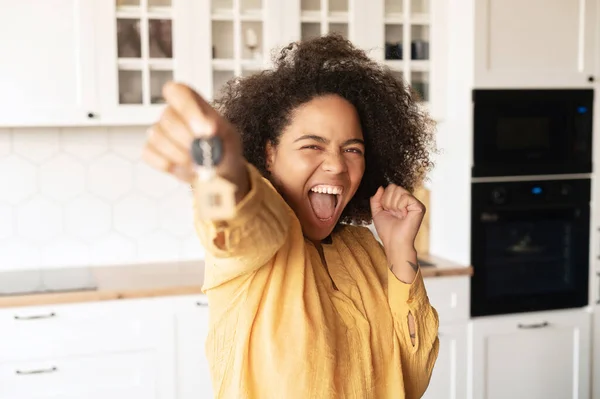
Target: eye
(311, 147)
(354, 150)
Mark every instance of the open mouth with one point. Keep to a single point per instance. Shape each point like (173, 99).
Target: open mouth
(324, 200)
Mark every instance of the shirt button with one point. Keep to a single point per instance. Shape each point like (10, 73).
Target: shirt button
(410, 300)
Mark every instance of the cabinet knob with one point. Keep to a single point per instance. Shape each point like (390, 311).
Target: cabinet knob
(591, 78)
(91, 115)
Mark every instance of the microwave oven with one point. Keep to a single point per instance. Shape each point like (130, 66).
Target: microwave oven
(532, 132)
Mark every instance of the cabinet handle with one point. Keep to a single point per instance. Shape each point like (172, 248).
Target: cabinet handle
(598, 300)
(538, 325)
(40, 371)
(40, 316)
(591, 79)
(202, 304)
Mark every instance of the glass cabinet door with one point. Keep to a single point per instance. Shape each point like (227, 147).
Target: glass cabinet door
(144, 44)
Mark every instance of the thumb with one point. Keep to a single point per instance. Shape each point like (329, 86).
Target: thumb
(376, 206)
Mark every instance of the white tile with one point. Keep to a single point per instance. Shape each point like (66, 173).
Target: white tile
(37, 145)
(65, 252)
(5, 146)
(110, 177)
(176, 213)
(18, 179)
(158, 247)
(112, 249)
(85, 143)
(62, 178)
(192, 249)
(127, 141)
(39, 219)
(7, 221)
(135, 215)
(17, 253)
(87, 217)
(153, 182)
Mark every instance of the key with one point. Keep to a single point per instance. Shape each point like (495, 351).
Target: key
(215, 195)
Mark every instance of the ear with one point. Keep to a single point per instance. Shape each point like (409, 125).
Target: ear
(270, 154)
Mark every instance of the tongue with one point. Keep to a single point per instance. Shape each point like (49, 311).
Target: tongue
(322, 204)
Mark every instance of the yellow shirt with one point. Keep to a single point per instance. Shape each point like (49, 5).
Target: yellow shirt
(278, 327)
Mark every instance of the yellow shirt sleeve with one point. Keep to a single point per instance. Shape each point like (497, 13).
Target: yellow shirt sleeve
(420, 357)
(251, 238)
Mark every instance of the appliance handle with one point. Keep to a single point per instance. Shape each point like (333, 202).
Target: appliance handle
(535, 325)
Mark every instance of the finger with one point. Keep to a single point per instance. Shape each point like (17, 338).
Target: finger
(376, 202)
(193, 110)
(176, 129)
(184, 173)
(155, 159)
(387, 198)
(158, 139)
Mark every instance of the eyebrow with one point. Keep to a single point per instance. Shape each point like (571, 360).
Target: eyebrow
(325, 141)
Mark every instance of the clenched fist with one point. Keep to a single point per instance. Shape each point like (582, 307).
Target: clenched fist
(397, 216)
(187, 116)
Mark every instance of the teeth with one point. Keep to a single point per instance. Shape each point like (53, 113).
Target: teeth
(327, 189)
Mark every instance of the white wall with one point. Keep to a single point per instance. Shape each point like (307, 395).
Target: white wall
(82, 196)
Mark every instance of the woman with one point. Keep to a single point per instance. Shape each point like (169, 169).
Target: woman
(305, 302)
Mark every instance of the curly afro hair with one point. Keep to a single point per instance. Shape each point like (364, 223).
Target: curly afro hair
(398, 135)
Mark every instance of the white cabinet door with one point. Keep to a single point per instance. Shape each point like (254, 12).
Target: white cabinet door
(47, 68)
(596, 355)
(193, 376)
(541, 355)
(140, 46)
(449, 378)
(125, 375)
(534, 43)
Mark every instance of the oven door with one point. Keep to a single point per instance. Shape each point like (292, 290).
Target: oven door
(528, 259)
(532, 132)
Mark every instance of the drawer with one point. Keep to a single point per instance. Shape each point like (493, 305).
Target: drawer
(55, 331)
(450, 297)
(129, 375)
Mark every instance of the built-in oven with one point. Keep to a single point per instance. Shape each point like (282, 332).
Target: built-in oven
(532, 132)
(529, 245)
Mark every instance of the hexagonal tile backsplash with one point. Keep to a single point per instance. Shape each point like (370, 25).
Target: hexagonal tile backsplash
(83, 197)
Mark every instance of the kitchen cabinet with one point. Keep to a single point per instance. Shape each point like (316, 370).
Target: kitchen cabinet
(449, 378)
(450, 297)
(78, 62)
(48, 67)
(536, 43)
(141, 45)
(117, 349)
(536, 355)
(596, 353)
(193, 374)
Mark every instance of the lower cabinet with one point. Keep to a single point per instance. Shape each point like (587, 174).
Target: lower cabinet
(191, 324)
(449, 378)
(535, 355)
(112, 349)
(596, 354)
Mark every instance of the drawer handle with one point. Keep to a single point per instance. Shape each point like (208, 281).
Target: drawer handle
(40, 371)
(538, 325)
(598, 300)
(40, 316)
(202, 304)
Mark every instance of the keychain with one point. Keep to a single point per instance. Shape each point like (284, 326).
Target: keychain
(215, 195)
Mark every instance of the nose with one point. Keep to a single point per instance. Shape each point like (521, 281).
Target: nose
(335, 163)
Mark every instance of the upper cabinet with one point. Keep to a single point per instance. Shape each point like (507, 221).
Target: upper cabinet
(238, 40)
(140, 45)
(535, 43)
(104, 62)
(48, 62)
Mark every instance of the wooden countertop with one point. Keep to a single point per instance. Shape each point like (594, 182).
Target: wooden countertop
(167, 279)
